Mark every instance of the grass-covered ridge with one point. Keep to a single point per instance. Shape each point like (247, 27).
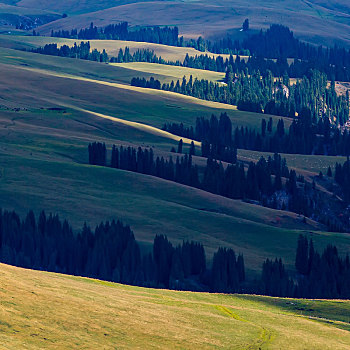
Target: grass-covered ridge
(47, 310)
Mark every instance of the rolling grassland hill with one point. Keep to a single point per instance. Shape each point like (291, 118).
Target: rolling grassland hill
(315, 22)
(318, 22)
(49, 119)
(57, 114)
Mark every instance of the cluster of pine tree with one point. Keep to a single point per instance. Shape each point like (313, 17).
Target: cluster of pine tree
(322, 275)
(140, 55)
(342, 178)
(110, 252)
(158, 35)
(215, 134)
(303, 136)
(278, 42)
(325, 275)
(265, 66)
(97, 153)
(249, 91)
(261, 182)
(142, 82)
(275, 280)
(81, 51)
(228, 279)
(232, 181)
(268, 50)
(143, 161)
(253, 93)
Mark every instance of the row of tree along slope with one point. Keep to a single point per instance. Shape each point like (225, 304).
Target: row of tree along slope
(278, 42)
(110, 252)
(268, 182)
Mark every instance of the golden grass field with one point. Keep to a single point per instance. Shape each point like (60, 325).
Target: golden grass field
(172, 72)
(54, 311)
(150, 92)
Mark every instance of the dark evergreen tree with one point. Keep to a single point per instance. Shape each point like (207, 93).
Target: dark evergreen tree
(245, 26)
(179, 147)
(302, 255)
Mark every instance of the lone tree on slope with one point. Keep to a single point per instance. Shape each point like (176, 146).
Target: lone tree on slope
(246, 25)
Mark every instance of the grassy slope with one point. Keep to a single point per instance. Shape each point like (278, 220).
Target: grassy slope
(11, 16)
(153, 107)
(8, 8)
(72, 6)
(46, 310)
(302, 163)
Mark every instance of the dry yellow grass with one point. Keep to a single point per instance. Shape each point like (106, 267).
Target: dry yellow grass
(172, 72)
(147, 91)
(52, 311)
(143, 127)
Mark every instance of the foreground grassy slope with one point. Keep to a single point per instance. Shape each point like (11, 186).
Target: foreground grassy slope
(46, 310)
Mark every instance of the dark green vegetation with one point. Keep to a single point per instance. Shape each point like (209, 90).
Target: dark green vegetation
(111, 253)
(278, 42)
(158, 35)
(310, 98)
(49, 244)
(220, 141)
(334, 62)
(323, 275)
